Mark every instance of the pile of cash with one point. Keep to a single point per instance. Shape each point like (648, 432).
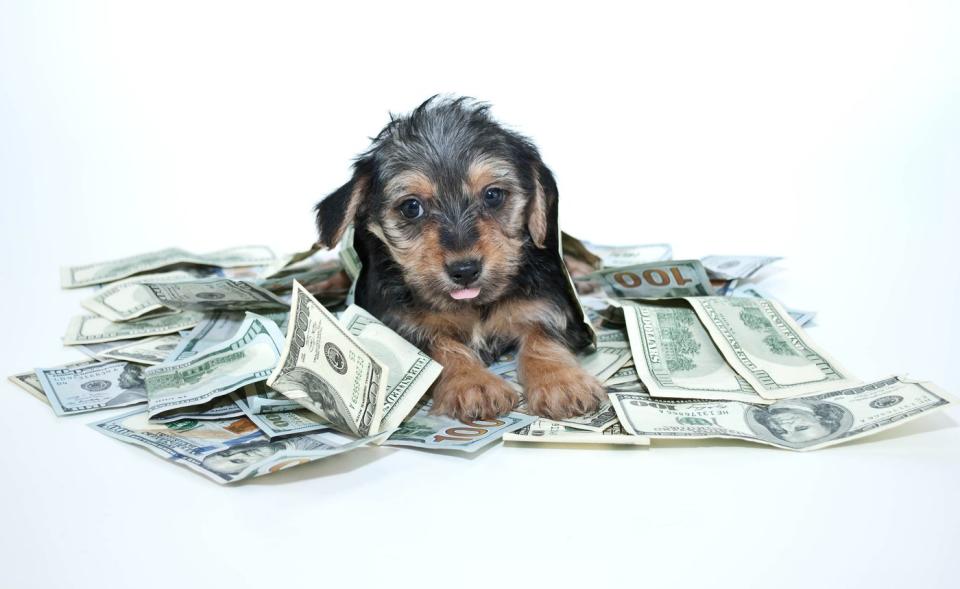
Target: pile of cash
(239, 363)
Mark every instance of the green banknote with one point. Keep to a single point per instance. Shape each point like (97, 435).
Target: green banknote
(735, 267)
(675, 357)
(247, 357)
(90, 329)
(276, 424)
(804, 423)
(656, 280)
(226, 450)
(29, 381)
(74, 388)
(410, 372)
(327, 370)
(129, 299)
(545, 431)
(151, 350)
(439, 432)
(760, 341)
(99, 273)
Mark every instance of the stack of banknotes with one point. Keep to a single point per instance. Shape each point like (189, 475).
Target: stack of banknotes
(239, 363)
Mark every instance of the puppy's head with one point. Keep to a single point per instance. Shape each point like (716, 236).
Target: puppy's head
(453, 196)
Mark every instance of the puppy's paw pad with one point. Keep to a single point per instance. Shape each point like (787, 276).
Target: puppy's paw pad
(563, 392)
(473, 394)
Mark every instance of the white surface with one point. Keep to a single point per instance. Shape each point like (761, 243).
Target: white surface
(825, 133)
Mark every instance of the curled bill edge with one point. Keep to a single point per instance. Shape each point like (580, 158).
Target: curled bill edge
(280, 461)
(948, 398)
(730, 353)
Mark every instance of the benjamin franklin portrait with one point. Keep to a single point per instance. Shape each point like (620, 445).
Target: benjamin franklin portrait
(232, 461)
(799, 423)
(132, 387)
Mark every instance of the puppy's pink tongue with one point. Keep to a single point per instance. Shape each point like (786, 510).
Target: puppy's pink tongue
(465, 293)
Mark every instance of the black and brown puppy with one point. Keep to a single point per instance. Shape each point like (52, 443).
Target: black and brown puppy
(455, 222)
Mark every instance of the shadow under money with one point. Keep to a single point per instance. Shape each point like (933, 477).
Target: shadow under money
(450, 453)
(326, 467)
(925, 424)
(699, 443)
(577, 447)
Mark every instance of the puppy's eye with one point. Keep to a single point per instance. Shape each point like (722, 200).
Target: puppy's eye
(411, 208)
(493, 196)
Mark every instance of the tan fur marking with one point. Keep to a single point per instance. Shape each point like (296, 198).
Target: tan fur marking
(439, 326)
(500, 254)
(356, 196)
(537, 215)
(515, 319)
(556, 386)
(410, 183)
(486, 171)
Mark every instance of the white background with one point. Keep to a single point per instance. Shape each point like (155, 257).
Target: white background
(828, 133)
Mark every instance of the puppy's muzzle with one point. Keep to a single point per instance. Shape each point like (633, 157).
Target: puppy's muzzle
(464, 272)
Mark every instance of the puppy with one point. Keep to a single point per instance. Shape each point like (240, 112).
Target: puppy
(455, 225)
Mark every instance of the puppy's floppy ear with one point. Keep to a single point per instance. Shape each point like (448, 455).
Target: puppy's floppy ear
(340, 208)
(538, 209)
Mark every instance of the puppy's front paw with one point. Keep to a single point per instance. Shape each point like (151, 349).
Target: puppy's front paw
(472, 394)
(562, 392)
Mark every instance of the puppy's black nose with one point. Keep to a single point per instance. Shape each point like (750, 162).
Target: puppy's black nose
(463, 272)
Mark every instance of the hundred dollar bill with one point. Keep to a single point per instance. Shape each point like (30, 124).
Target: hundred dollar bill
(410, 372)
(214, 329)
(96, 351)
(212, 294)
(614, 256)
(595, 421)
(611, 256)
(152, 350)
(749, 290)
(735, 267)
(656, 280)
(598, 420)
(29, 382)
(282, 423)
(325, 369)
(625, 376)
(348, 255)
(804, 423)
(439, 432)
(260, 398)
(89, 329)
(604, 361)
(760, 341)
(329, 287)
(571, 247)
(112, 270)
(165, 294)
(285, 263)
(247, 357)
(675, 357)
(602, 314)
(218, 408)
(227, 450)
(545, 431)
(128, 299)
(283, 282)
(81, 388)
